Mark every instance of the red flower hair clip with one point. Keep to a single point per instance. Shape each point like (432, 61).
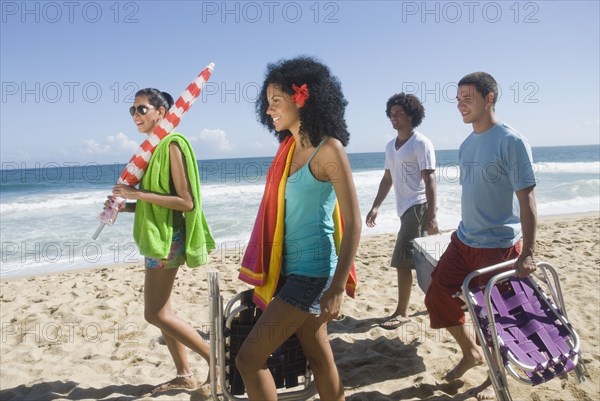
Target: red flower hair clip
(301, 94)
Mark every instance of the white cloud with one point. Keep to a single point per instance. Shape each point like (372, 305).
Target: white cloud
(115, 144)
(14, 156)
(267, 145)
(90, 146)
(215, 138)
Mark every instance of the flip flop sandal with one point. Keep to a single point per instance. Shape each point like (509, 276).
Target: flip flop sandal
(394, 322)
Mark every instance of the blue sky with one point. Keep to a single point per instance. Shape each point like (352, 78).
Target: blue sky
(69, 69)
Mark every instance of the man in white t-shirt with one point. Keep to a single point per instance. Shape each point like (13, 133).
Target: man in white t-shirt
(410, 169)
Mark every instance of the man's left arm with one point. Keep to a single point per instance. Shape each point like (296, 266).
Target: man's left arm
(528, 215)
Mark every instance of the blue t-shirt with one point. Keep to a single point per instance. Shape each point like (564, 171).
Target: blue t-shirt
(493, 166)
(308, 246)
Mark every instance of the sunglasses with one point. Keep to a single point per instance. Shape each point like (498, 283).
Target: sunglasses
(141, 110)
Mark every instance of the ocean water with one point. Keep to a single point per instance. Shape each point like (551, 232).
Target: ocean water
(48, 213)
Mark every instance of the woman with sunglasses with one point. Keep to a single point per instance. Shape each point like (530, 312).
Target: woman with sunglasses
(167, 202)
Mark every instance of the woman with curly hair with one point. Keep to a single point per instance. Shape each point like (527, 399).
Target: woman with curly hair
(302, 103)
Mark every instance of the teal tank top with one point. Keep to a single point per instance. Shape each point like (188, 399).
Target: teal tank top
(309, 248)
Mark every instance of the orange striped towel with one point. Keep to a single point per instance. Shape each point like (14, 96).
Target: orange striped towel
(261, 264)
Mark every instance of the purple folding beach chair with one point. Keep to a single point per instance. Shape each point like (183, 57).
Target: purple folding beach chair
(527, 333)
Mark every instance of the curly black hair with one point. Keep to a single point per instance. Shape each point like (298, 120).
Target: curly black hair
(322, 114)
(411, 105)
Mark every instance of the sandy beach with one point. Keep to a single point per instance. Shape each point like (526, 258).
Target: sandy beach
(82, 335)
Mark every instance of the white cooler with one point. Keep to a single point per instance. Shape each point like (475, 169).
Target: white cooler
(427, 252)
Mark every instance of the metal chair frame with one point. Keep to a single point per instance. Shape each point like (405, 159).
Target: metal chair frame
(220, 320)
(545, 274)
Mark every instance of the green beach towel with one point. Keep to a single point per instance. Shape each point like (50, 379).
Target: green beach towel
(153, 224)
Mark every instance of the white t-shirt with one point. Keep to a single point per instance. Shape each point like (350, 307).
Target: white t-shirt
(405, 165)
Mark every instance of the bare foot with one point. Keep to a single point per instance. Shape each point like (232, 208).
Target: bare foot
(178, 383)
(464, 364)
(487, 393)
(484, 391)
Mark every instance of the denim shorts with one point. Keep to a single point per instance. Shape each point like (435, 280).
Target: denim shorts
(303, 292)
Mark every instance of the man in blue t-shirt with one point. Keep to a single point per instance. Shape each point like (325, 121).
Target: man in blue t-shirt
(498, 210)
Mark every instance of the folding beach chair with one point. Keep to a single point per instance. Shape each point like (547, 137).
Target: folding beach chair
(527, 333)
(229, 327)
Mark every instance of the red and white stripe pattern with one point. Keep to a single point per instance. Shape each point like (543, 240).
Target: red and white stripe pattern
(135, 169)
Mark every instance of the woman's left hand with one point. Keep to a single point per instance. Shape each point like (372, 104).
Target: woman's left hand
(331, 304)
(125, 191)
